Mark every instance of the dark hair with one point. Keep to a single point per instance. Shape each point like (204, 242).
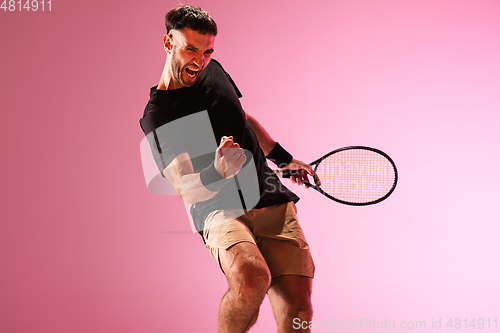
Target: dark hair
(191, 17)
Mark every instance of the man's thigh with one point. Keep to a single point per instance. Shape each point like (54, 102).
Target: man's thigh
(282, 242)
(270, 236)
(243, 261)
(222, 232)
(290, 297)
(291, 289)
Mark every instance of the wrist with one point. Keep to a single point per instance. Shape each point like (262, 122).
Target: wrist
(211, 179)
(279, 156)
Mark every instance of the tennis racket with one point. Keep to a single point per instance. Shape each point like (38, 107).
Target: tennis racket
(355, 175)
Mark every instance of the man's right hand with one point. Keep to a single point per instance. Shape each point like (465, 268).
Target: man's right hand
(229, 157)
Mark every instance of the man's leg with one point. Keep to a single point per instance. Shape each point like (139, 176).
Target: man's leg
(290, 297)
(248, 278)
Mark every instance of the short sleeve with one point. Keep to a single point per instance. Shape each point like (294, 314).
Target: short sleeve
(165, 146)
(163, 138)
(238, 93)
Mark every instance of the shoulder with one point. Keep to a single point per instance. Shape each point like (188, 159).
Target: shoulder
(160, 109)
(152, 118)
(216, 74)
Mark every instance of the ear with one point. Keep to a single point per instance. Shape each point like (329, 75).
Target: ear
(168, 43)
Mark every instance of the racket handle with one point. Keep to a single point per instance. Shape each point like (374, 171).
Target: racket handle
(289, 173)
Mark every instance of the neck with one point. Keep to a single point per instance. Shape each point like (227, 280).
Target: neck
(166, 80)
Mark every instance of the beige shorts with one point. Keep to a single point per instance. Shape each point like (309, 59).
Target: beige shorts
(275, 230)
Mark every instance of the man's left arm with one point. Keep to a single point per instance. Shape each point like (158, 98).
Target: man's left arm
(267, 144)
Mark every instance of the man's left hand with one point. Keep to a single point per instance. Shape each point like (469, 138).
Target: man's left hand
(302, 175)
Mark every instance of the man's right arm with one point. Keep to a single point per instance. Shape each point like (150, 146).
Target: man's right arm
(186, 183)
(229, 159)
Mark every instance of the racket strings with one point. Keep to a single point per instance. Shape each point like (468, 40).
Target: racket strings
(356, 175)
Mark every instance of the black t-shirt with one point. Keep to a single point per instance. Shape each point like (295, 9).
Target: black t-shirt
(193, 120)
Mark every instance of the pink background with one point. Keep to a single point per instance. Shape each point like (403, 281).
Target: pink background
(84, 247)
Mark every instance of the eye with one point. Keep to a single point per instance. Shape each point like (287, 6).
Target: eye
(191, 49)
(208, 53)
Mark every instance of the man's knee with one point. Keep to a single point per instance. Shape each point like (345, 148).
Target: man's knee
(249, 278)
(295, 292)
(300, 306)
(303, 310)
(247, 273)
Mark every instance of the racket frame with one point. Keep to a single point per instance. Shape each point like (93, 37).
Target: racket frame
(287, 173)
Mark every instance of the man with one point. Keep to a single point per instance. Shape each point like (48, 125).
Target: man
(261, 249)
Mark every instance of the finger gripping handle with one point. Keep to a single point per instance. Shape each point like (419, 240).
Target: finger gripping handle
(289, 173)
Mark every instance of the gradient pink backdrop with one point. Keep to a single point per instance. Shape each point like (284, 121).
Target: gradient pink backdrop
(84, 247)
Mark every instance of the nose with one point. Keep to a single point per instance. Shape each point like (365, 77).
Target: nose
(199, 59)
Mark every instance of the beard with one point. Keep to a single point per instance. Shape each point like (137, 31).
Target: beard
(177, 71)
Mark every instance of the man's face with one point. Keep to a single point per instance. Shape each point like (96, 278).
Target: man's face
(191, 52)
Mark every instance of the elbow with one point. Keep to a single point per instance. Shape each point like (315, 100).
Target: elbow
(188, 200)
(194, 196)
(185, 197)
(188, 197)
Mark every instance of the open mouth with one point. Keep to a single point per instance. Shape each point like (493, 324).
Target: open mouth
(191, 72)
